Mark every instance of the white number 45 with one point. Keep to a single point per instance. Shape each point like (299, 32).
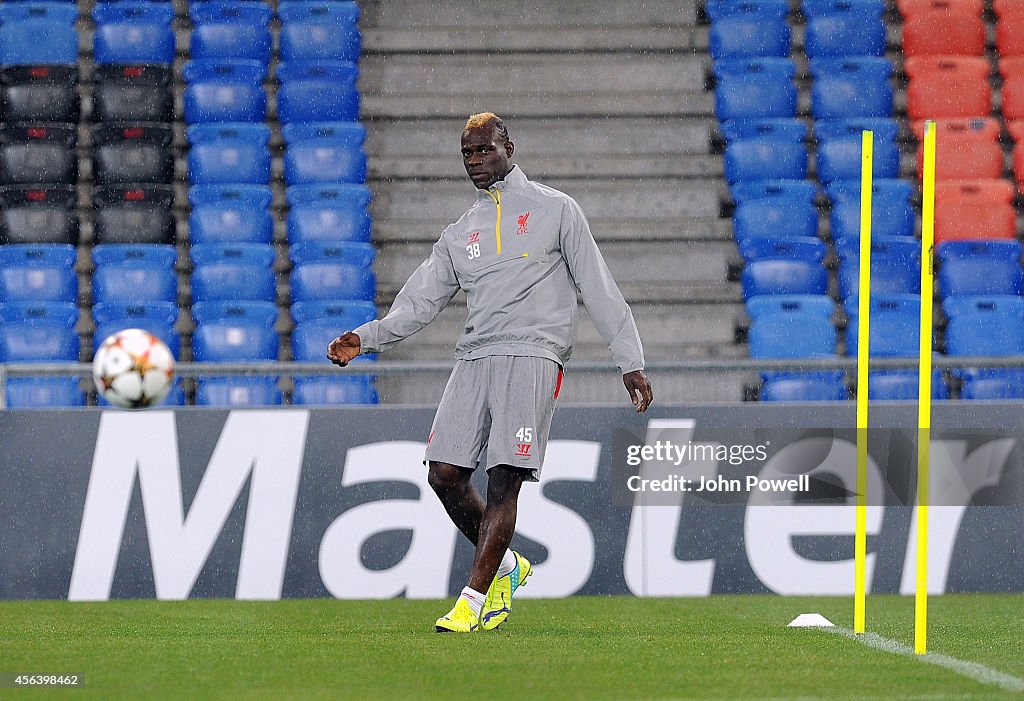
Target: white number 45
(525, 434)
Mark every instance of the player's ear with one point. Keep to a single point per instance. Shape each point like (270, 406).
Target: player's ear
(509, 148)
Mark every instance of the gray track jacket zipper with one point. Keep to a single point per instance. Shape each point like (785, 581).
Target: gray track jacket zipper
(520, 253)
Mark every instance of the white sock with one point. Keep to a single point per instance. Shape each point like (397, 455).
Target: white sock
(508, 563)
(475, 599)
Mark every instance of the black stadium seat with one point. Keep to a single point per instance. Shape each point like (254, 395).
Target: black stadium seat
(133, 93)
(132, 153)
(36, 153)
(38, 214)
(134, 214)
(39, 93)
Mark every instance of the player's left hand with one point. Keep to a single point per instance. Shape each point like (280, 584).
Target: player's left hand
(639, 390)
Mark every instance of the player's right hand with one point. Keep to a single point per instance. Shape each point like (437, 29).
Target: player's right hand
(344, 348)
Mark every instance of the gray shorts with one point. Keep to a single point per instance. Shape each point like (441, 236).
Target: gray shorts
(501, 403)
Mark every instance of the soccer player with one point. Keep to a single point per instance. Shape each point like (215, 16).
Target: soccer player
(521, 253)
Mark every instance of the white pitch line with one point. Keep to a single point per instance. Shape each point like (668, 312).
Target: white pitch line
(973, 670)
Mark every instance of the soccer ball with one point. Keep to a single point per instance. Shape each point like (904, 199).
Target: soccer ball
(133, 369)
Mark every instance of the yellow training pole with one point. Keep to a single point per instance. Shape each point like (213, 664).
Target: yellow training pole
(924, 392)
(863, 353)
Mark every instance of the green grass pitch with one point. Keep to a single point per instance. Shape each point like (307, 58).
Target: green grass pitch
(730, 647)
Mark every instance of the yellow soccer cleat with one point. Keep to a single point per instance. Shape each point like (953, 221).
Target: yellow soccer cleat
(498, 605)
(460, 619)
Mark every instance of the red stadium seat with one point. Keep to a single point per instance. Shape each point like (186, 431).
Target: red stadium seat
(964, 159)
(1011, 67)
(1006, 8)
(1016, 130)
(948, 86)
(913, 8)
(994, 191)
(970, 219)
(984, 128)
(974, 67)
(1018, 164)
(944, 34)
(967, 149)
(1010, 34)
(1012, 70)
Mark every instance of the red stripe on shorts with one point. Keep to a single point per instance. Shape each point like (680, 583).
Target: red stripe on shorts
(558, 384)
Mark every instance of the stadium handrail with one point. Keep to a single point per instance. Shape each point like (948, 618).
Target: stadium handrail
(387, 368)
(696, 365)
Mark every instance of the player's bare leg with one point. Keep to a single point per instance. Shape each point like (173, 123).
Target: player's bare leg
(459, 497)
(489, 527)
(497, 525)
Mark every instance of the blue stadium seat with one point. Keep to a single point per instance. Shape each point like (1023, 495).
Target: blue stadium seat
(774, 208)
(895, 325)
(38, 154)
(826, 386)
(229, 153)
(332, 271)
(38, 273)
(230, 29)
(318, 31)
(317, 92)
(158, 318)
(233, 272)
(980, 268)
(142, 272)
(986, 325)
(903, 385)
(328, 213)
(750, 88)
(764, 150)
(328, 152)
(222, 90)
(895, 265)
(854, 86)
(39, 93)
(236, 332)
(772, 128)
(38, 33)
(813, 9)
(133, 32)
(316, 325)
(38, 332)
(230, 214)
(891, 211)
(38, 214)
(238, 391)
(839, 148)
(884, 128)
(133, 154)
(844, 28)
(795, 326)
(895, 321)
(802, 190)
(791, 326)
(44, 392)
(999, 384)
(783, 266)
(751, 28)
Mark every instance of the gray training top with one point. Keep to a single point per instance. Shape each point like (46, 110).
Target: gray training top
(520, 253)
